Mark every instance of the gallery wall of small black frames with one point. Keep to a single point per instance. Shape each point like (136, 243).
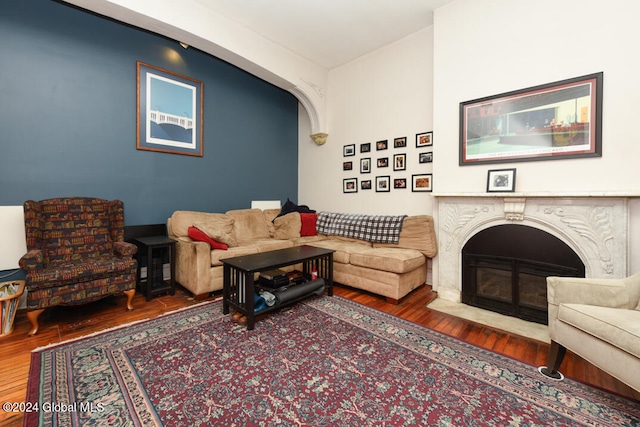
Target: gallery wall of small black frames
(381, 166)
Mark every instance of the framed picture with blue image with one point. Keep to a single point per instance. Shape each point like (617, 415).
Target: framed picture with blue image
(501, 180)
(169, 111)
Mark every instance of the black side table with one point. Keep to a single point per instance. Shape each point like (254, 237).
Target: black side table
(155, 284)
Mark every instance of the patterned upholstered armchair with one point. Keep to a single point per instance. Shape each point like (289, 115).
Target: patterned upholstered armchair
(76, 253)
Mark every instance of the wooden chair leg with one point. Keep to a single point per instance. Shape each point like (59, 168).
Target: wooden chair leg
(33, 318)
(130, 294)
(556, 354)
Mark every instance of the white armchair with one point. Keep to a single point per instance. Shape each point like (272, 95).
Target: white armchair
(599, 320)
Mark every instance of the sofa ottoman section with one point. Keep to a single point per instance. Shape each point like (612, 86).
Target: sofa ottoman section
(392, 286)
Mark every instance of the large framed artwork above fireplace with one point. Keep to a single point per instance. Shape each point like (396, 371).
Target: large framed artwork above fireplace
(593, 226)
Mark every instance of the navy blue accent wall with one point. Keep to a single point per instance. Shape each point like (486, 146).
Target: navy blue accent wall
(68, 119)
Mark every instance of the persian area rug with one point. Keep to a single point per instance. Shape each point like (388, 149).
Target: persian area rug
(324, 362)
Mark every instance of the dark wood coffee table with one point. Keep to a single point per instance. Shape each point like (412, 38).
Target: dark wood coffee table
(239, 272)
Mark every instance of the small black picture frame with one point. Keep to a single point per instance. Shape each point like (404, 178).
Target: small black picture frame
(383, 184)
(350, 185)
(400, 162)
(424, 139)
(422, 183)
(501, 181)
(426, 157)
(365, 165)
(399, 183)
(400, 142)
(349, 150)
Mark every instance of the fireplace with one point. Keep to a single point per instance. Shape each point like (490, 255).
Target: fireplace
(593, 226)
(504, 269)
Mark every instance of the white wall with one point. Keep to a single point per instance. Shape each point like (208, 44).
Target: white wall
(488, 47)
(382, 95)
(12, 241)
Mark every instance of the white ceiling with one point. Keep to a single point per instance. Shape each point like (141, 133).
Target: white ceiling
(330, 32)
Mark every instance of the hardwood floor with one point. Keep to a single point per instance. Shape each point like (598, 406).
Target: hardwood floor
(64, 323)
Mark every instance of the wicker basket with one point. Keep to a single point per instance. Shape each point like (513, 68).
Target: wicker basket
(9, 305)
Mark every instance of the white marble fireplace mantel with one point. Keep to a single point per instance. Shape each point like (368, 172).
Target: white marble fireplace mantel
(594, 224)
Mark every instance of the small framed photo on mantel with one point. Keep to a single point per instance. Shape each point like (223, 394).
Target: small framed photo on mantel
(501, 181)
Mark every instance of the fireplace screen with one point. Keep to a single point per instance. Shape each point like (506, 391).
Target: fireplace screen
(510, 286)
(505, 270)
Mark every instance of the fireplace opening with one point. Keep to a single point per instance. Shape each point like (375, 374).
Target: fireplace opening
(504, 269)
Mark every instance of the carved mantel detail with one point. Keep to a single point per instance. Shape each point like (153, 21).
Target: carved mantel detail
(457, 217)
(594, 227)
(514, 208)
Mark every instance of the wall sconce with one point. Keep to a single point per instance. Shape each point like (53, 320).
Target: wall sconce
(184, 45)
(319, 138)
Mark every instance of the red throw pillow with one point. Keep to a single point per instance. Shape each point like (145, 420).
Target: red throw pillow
(200, 236)
(308, 224)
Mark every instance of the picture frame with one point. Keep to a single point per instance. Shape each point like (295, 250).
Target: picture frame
(350, 185)
(365, 184)
(400, 142)
(169, 111)
(383, 184)
(365, 165)
(558, 120)
(426, 157)
(365, 148)
(349, 150)
(501, 180)
(381, 145)
(399, 183)
(424, 139)
(400, 162)
(347, 166)
(422, 182)
(383, 162)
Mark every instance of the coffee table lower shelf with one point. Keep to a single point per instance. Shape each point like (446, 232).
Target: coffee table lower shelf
(239, 273)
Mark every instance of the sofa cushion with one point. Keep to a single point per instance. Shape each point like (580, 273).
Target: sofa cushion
(418, 232)
(307, 240)
(308, 226)
(253, 248)
(180, 221)
(217, 254)
(249, 225)
(349, 240)
(287, 226)
(617, 326)
(200, 236)
(396, 260)
(75, 272)
(269, 216)
(343, 249)
(219, 228)
(266, 245)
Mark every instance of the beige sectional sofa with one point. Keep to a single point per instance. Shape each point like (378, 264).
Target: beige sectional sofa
(385, 269)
